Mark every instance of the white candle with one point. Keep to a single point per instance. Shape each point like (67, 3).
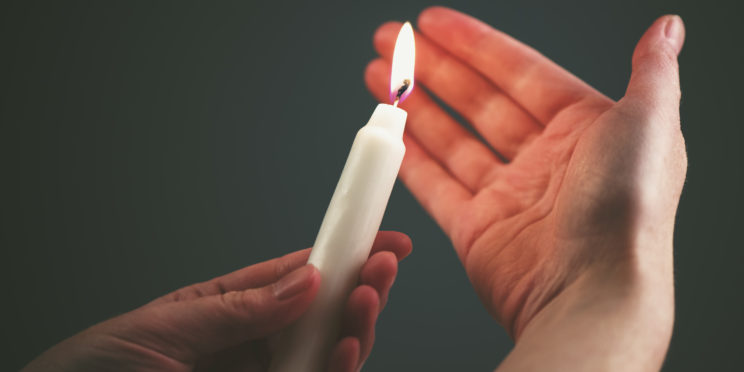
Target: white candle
(351, 222)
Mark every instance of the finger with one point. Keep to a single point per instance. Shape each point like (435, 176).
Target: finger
(379, 273)
(654, 83)
(345, 356)
(469, 160)
(254, 276)
(396, 242)
(360, 315)
(267, 272)
(188, 330)
(439, 193)
(503, 123)
(536, 83)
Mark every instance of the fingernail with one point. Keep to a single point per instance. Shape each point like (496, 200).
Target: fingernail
(674, 32)
(294, 282)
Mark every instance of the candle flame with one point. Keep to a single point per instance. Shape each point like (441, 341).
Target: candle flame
(404, 58)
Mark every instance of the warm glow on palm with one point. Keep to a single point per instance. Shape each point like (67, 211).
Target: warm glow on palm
(577, 163)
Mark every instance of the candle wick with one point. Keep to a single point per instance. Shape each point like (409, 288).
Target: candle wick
(403, 88)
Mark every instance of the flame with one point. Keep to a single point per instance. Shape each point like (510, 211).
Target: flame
(404, 58)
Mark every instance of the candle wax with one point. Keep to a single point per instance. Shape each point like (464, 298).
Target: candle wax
(345, 239)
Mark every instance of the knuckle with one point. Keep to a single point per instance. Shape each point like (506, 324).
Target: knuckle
(660, 57)
(241, 304)
(282, 268)
(385, 255)
(191, 292)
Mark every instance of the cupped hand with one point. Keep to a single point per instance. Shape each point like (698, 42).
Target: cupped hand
(568, 181)
(228, 323)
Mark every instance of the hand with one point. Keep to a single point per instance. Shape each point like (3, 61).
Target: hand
(582, 190)
(227, 323)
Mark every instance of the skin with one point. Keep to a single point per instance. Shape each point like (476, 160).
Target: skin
(229, 323)
(564, 224)
(565, 230)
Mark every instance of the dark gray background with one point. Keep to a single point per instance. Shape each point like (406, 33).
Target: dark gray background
(148, 145)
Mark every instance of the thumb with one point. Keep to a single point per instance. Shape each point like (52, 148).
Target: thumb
(654, 82)
(188, 330)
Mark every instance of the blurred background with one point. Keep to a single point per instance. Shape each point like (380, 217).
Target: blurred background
(148, 145)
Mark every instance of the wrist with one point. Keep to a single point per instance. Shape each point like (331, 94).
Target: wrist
(622, 309)
(633, 265)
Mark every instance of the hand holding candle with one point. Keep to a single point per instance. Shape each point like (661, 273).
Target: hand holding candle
(352, 220)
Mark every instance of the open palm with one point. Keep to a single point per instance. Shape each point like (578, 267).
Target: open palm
(570, 168)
